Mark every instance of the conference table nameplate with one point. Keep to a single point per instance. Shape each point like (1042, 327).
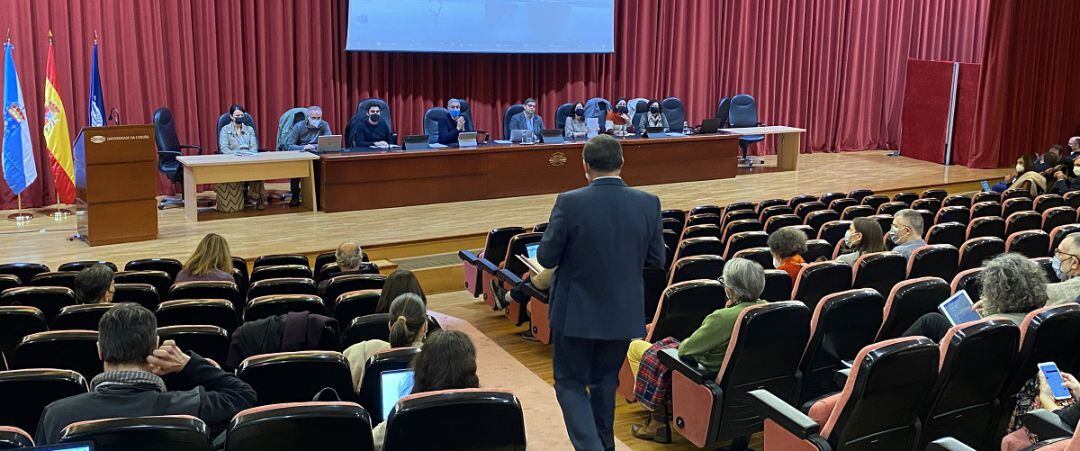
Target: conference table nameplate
(368, 180)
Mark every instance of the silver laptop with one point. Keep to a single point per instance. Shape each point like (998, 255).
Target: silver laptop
(518, 136)
(329, 143)
(466, 139)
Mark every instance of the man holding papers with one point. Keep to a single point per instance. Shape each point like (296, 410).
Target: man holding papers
(599, 238)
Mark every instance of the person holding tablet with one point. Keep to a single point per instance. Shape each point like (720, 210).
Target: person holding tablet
(1067, 407)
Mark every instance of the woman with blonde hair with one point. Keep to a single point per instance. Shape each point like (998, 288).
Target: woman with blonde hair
(210, 261)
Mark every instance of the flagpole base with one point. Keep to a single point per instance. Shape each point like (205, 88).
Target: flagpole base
(20, 216)
(56, 212)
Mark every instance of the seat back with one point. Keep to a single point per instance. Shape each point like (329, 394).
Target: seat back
(264, 272)
(968, 280)
(27, 392)
(1060, 232)
(211, 342)
(880, 271)
(699, 246)
(286, 121)
(47, 299)
(839, 205)
(743, 111)
(279, 259)
(1029, 243)
(284, 285)
(140, 293)
(744, 240)
(14, 438)
(497, 242)
(806, 208)
(816, 249)
(207, 290)
(987, 208)
(338, 285)
(1022, 220)
(1072, 199)
(800, 199)
(957, 200)
(952, 214)
(759, 255)
(951, 233)
(1047, 201)
(890, 208)
(561, 113)
(171, 266)
(976, 251)
(297, 376)
(510, 112)
(764, 352)
(780, 221)
(160, 280)
(833, 231)
(280, 304)
(857, 211)
(759, 207)
(54, 279)
(214, 312)
(432, 118)
(16, 322)
(860, 193)
(742, 225)
(80, 316)
(937, 260)
(777, 285)
(723, 109)
(8, 281)
(672, 108)
(371, 387)
(702, 230)
(332, 269)
(815, 219)
(819, 279)
(683, 307)
(931, 205)
(302, 425)
(986, 226)
(827, 198)
(432, 420)
(167, 433)
(842, 324)
(24, 271)
(165, 133)
(1045, 336)
(1057, 216)
(354, 304)
(874, 201)
(976, 360)
(908, 301)
(697, 267)
(74, 350)
(884, 394)
(375, 326)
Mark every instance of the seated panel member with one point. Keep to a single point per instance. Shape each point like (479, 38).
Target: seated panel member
(528, 119)
(575, 128)
(238, 137)
(370, 131)
(305, 136)
(620, 118)
(654, 118)
(454, 124)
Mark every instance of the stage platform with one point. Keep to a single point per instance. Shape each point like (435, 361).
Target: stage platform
(426, 230)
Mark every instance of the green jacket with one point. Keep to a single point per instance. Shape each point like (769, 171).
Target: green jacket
(709, 343)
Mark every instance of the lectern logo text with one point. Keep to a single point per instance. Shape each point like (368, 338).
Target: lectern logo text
(97, 139)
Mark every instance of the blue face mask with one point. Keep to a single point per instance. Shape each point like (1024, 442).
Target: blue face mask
(1056, 263)
(315, 122)
(455, 113)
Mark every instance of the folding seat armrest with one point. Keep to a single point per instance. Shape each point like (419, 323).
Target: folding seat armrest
(468, 257)
(948, 444)
(688, 368)
(1046, 424)
(841, 377)
(504, 275)
(783, 414)
(487, 266)
(535, 293)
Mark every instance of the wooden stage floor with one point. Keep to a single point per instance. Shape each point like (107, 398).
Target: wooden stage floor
(46, 240)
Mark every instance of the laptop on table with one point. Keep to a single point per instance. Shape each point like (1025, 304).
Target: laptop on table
(710, 125)
(329, 143)
(416, 142)
(552, 136)
(466, 139)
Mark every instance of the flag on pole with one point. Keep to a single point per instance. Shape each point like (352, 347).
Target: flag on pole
(97, 104)
(57, 138)
(19, 167)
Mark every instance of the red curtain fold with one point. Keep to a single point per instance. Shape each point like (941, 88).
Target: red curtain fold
(834, 67)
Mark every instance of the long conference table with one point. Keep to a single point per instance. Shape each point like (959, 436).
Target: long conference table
(381, 179)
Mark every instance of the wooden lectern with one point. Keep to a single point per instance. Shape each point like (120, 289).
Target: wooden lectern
(116, 184)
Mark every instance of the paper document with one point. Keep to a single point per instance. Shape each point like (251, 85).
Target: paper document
(593, 125)
(502, 141)
(437, 146)
(533, 265)
(674, 134)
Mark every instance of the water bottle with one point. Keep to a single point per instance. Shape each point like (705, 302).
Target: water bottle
(686, 128)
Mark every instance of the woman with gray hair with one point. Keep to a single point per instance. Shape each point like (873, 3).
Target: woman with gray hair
(787, 246)
(744, 281)
(1010, 285)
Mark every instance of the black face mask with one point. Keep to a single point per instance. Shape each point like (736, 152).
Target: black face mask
(580, 112)
(621, 109)
(374, 118)
(654, 109)
(237, 119)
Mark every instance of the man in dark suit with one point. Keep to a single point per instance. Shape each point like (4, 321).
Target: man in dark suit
(599, 238)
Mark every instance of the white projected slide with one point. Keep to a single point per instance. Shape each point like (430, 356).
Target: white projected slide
(482, 26)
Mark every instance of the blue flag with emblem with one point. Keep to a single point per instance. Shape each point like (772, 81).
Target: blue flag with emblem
(18, 154)
(97, 104)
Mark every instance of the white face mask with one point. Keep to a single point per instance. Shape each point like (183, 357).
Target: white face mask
(1019, 168)
(848, 241)
(775, 263)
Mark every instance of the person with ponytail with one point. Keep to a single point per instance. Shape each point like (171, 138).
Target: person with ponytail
(408, 327)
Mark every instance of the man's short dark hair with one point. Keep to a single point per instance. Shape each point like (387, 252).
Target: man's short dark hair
(92, 283)
(127, 333)
(603, 153)
(528, 100)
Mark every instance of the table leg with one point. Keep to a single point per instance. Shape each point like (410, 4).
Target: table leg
(308, 189)
(191, 201)
(787, 151)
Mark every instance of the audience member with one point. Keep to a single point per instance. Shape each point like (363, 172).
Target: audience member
(454, 124)
(399, 282)
(620, 118)
(1067, 267)
(408, 327)
(575, 127)
(1050, 160)
(1010, 287)
(132, 383)
(349, 257)
(744, 282)
(1068, 411)
(907, 232)
(1074, 147)
(369, 129)
(1066, 179)
(787, 246)
(654, 118)
(527, 119)
(237, 138)
(305, 136)
(446, 362)
(211, 260)
(94, 285)
(1024, 164)
(863, 237)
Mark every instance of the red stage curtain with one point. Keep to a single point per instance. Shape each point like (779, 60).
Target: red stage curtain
(833, 67)
(1030, 94)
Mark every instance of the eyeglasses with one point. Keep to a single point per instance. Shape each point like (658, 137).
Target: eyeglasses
(1059, 251)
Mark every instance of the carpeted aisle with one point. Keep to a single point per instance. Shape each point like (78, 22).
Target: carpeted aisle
(544, 425)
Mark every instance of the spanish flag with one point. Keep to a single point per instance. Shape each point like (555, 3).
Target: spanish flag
(57, 139)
